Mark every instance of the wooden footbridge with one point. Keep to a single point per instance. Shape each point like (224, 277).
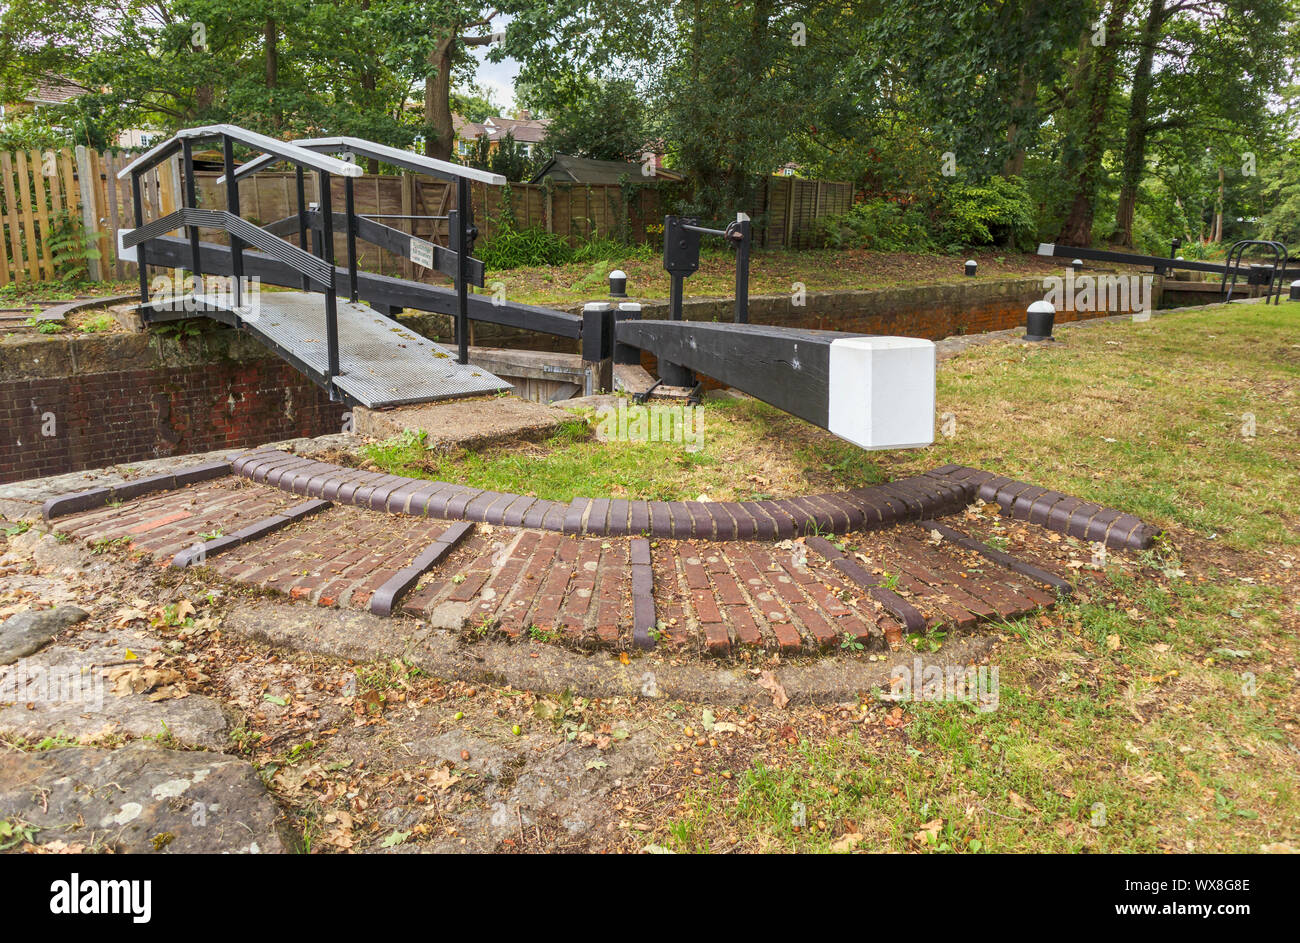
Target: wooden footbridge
(335, 323)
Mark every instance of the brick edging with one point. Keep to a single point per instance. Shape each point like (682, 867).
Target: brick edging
(385, 598)
(1054, 510)
(894, 604)
(644, 620)
(199, 554)
(78, 501)
(908, 499)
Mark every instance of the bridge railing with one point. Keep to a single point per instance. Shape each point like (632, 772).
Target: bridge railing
(317, 266)
(240, 230)
(455, 261)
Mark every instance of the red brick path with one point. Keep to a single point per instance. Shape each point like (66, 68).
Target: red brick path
(582, 590)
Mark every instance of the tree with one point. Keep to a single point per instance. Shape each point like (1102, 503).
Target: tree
(605, 121)
(1088, 103)
(1200, 68)
(279, 66)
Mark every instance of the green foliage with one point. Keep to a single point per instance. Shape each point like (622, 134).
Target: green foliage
(601, 120)
(1281, 194)
(72, 246)
(98, 324)
(999, 210)
(513, 248)
(510, 161)
(33, 130)
(45, 327)
(878, 225)
(474, 103)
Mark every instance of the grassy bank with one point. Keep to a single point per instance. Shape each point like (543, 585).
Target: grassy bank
(1157, 713)
(772, 272)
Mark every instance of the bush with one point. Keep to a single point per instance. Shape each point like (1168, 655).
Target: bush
(605, 249)
(515, 248)
(879, 225)
(998, 210)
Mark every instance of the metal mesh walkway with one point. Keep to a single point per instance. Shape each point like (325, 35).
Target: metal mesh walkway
(381, 363)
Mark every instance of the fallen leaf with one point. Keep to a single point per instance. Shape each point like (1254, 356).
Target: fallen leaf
(768, 682)
(846, 842)
(929, 833)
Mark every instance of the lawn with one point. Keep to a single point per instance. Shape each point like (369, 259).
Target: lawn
(1147, 417)
(1157, 713)
(771, 272)
(1154, 713)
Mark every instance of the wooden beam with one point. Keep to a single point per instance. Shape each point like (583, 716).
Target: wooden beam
(877, 392)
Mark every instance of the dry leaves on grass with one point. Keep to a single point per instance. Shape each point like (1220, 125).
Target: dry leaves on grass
(53, 848)
(981, 510)
(443, 778)
(340, 835)
(847, 842)
(1020, 802)
(929, 833)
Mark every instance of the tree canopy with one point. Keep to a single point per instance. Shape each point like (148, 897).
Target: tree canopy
(1128, 121)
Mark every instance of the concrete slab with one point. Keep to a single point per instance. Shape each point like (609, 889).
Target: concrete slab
(467, 424)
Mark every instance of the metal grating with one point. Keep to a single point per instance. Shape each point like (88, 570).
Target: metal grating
(381, 363)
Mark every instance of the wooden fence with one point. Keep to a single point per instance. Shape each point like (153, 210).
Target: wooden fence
(792, 206)
(48, 199)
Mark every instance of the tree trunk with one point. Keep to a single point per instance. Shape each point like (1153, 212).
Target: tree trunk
(1026, 92)
(1135, 136)
(437, 99)
(272, 62)
(1218, 211)
(1097, 79)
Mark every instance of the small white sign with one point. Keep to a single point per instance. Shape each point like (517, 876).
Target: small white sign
(422, 252)
(126, 253)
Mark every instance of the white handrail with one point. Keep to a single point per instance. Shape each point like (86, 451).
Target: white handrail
(278, 150)
(416, 163)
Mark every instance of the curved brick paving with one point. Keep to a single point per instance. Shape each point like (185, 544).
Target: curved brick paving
(572, 572)
(919, 497)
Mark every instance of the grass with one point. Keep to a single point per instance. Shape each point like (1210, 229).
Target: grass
(747, 451)
(1148, 417)
(15, 296)
(1156, 713)
(772, 271)
(1145, 416)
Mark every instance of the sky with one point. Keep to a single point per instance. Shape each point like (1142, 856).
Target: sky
(498, 77)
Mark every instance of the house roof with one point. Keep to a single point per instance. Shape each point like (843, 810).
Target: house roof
(525, 130)
(53, 90)
(495, 128)
(571, 169)
(466, 129)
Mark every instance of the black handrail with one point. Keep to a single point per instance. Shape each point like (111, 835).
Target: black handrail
(240, 230)
(193, 219)
(1276, 276)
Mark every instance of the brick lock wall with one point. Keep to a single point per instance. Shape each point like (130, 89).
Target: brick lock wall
(115, 417)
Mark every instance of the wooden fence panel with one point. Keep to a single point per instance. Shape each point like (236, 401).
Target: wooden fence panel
(85, 185)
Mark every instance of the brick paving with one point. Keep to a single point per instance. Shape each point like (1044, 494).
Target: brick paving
(687, 595)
